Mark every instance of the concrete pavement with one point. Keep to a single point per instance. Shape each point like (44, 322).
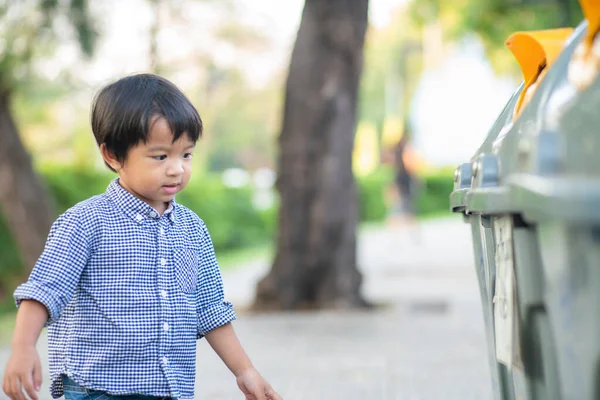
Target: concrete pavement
(427, 342)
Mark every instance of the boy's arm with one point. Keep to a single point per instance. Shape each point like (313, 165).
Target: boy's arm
(42, 299)
(31, 318)
(23, 369)
(212, 309)
(226, 344)
(214, 322)
(57, 272)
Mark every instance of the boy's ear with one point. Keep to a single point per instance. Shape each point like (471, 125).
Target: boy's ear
(110, 158)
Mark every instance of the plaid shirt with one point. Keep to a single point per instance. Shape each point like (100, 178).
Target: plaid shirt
(128, 293)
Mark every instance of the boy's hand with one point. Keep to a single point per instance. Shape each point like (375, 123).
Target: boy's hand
(255, 387)
(23, 370)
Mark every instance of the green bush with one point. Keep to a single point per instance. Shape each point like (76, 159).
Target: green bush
(69, 186)
(232, 219)
(228, 212)
(433, 193)
(371, 195)
(434, 197)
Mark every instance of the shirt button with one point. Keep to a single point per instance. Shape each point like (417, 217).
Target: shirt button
(162, 231)
(164, 360)
(166, 326)
(153, 214)
(139, 217)
(163, 261)
(163, 294)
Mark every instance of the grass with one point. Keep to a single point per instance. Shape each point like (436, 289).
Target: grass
(233, 258)
(438, 214)
(7, 325)
(8, 313)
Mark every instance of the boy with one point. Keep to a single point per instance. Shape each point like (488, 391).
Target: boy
(128, 280)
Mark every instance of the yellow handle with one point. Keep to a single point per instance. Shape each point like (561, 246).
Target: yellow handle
(591, 12)
(534, 51)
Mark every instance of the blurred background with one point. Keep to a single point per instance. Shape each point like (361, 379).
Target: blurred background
(433, 72)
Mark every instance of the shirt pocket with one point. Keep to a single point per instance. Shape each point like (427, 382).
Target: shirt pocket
(186, 269)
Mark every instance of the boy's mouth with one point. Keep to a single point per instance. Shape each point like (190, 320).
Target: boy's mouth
(171, 189)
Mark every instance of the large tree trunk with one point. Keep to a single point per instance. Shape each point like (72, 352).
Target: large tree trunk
(24, 202)
(315, 264)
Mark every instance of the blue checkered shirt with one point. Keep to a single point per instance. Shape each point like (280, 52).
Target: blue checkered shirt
(128, 293)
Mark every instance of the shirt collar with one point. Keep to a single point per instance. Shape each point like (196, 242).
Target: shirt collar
(135, 208)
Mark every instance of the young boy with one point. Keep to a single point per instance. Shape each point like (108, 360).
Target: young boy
(128, 280)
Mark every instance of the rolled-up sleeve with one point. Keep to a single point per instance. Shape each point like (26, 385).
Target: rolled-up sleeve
(212, 309)
(56, 274)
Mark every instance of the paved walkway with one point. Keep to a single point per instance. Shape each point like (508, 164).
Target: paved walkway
(427, 344)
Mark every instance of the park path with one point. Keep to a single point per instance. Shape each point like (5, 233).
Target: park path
(426, 342)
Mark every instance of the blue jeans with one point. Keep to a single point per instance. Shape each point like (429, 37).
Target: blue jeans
(74, 391)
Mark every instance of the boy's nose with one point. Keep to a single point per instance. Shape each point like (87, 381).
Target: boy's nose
(175, 169)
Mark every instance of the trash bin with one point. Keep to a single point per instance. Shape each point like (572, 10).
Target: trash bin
(531, 195)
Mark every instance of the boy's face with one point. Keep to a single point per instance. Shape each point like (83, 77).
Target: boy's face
(157, 170)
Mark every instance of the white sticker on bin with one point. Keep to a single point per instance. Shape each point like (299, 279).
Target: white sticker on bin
(504, 297)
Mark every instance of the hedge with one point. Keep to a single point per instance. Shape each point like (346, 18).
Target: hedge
(229, 213)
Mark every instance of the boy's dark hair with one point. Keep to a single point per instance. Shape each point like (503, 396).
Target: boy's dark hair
(122, 112)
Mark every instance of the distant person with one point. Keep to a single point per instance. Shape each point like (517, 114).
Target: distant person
(128, 280)
(406, 183)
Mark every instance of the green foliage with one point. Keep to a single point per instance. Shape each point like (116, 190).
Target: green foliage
(10, 260)
(69, 186)
(495, 20)
(33, 103)
(232, 219)
(392, 58)
(30, 31)
(7, 321)
(371, 194)
(432, 199)
(240, 121)
(78, 14)
(229, 213)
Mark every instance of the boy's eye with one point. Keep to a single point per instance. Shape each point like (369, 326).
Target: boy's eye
(160, 158)
(187, 155)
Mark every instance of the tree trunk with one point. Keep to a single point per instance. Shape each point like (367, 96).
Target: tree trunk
(315, 264)
(24, 201)
(154, 29)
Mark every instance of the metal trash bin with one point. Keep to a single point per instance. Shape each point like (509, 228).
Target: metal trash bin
(531, 195)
